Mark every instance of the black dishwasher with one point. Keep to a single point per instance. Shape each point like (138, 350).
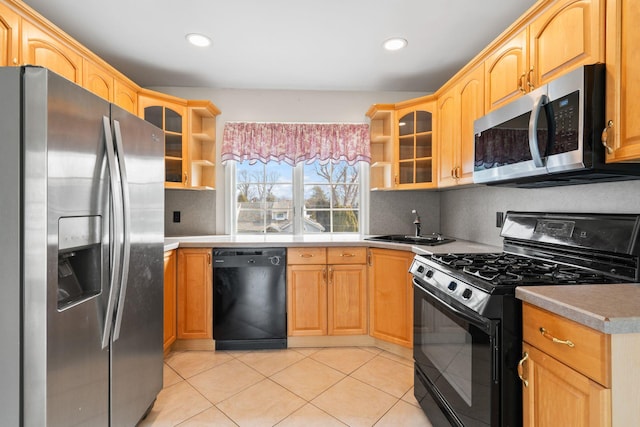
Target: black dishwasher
(249, 298)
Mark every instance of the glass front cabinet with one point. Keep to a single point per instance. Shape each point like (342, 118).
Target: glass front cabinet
(415, 148)
(170, 115)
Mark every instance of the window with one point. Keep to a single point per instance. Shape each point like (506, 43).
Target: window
(267, 197)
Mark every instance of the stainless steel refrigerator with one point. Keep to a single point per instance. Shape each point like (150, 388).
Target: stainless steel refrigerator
(81, 270)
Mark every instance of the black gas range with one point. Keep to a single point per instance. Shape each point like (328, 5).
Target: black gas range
(467, 321)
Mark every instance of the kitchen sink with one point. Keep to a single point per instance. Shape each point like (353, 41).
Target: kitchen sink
(428, 240)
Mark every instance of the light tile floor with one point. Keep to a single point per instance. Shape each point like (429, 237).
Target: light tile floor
(352, 386)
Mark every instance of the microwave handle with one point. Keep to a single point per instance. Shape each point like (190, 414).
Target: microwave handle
(533, 130)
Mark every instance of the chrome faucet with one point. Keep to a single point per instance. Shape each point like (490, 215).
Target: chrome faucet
(416, 222)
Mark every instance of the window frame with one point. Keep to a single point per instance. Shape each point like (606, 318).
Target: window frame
(298, 203)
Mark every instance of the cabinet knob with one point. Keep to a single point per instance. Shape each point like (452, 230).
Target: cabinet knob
(186, 178)
(306, 255)
(521, 83)
(15, 61)
(531, 85)
(605, 137)
(347, 255)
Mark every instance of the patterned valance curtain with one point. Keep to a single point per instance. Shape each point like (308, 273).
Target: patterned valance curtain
(292, 143)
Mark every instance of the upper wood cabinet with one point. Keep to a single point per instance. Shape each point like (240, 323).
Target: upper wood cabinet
(391, 296)
(458, 107)
(415, 149)
(382, 131)
(9, 37)
(169, 114)
(569, 34)
(98, 80)
(506, 69)
(125, 95)
(623, 81)
(42, 48)
(564, 36)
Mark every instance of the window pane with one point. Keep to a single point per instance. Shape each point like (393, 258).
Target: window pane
(345, 195)
(317, 221)
(345, 221)
(317, 196)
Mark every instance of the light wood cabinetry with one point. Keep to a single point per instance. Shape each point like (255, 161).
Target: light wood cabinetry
(326, 291)
(458, 107)
(415, 149)
(194, 293)
(169, 114)
(564, 36)
(202, 143)
(9, 37)
(125, 95)
(40, 47)
(391, 296)
(623, 81)
(97, 80)
(566, 372)
(170, 308)
(382, 130)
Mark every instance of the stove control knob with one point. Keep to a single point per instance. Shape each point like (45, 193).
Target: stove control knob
(429, 273)
(420, 268)
(452, 286)
(467, 293)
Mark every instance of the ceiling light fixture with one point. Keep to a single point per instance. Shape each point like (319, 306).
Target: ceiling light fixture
(198, 39)
(395, 43)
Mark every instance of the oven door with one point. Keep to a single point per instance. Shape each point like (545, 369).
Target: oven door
(456, 353)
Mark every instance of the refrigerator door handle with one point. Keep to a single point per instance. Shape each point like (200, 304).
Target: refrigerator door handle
(115, 244)
(126, 230)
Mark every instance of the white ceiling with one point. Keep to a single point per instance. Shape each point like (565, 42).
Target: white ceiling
(286, 44)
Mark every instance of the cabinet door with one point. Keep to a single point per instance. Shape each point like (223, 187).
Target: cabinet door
(556, 395)
(623, 80)
(9, 36)
(347, 300)
(471, 108)
(97, 80)
(170, 308)
(415, 147)
(172, 118)
(125, 96)
(195, 298)
(569, 34)
(506, 71)
(391, 296)
(306, 300)
(41, 48)
(448, 137)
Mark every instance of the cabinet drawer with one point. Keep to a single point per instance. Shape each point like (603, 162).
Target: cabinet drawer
(307, 256)
(347, 255)
(583, 349)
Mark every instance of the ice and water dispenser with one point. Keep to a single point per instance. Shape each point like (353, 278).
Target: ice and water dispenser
(79, 259)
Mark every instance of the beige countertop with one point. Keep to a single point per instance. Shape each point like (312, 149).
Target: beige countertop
(612, 309)
(226, 241)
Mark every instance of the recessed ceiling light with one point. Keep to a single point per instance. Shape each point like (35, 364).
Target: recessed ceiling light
(198, 40)
(395, 43)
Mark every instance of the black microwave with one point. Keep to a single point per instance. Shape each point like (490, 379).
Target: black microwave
(550, 136)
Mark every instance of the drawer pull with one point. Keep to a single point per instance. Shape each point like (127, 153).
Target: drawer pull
(306, 255)
(547, 335)
(346, 255)
(521, 369)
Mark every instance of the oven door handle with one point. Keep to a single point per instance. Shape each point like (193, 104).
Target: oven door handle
(485, 324)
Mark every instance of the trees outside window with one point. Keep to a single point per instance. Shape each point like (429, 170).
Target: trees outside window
(265, 196)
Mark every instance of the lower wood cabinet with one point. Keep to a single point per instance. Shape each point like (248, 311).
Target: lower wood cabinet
(391, 296)
(195, 294)
(170, 325)
(565, 372)
(326, 291)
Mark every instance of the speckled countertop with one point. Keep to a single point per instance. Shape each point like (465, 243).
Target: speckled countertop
(225, 241)
(612, 309)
